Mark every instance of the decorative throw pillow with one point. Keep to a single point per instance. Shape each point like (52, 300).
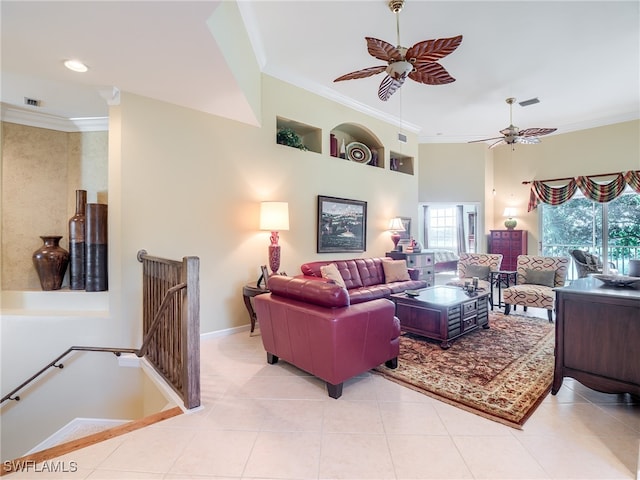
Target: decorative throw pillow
(540, 277)
(395, 271)
(480, 271)
(331, 272)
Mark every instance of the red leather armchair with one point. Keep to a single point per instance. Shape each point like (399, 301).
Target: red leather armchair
(311, 325)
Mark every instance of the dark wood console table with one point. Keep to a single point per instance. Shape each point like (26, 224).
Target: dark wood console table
(598, 336)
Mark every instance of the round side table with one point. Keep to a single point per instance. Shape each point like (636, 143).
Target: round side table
(249, 291)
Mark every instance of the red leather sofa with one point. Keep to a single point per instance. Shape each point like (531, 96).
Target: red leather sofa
(364, 278)
(312, 325)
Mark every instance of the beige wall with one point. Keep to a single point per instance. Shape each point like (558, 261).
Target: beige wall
(613, 148)
(41, 169)
(191, 183)
(459, 173)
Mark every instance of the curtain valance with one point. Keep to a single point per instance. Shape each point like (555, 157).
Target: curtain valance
(598, 192)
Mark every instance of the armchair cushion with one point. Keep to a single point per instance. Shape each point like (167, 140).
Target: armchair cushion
(480, 271)
(540, 277)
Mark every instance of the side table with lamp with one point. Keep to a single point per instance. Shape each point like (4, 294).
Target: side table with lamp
(274, 217)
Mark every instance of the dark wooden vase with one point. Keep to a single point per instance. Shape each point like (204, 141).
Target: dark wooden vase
(96, 264)
(77, 243)
(51, 261)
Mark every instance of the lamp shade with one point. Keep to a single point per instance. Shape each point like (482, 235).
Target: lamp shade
(274, 216)
(509, 212)
(395, 225)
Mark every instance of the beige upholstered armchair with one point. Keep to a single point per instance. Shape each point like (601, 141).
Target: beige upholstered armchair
(477, 265)
(536, 279)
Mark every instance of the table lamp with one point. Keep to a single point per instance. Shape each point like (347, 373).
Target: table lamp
(274, 217)
(510, 223)
(396, 226)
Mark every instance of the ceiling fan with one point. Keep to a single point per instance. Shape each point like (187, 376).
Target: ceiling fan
(513, 135)
(418, 62)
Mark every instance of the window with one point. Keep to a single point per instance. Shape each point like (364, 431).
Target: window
(609, 230)
(442, 228)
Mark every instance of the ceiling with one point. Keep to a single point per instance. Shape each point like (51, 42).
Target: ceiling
(580, 58)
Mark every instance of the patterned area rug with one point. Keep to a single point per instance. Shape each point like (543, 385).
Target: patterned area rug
(501, 373)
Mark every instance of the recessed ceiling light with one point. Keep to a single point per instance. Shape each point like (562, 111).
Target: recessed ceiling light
(76, 66)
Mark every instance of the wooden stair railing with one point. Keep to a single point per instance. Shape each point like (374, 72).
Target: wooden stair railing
(174, 350)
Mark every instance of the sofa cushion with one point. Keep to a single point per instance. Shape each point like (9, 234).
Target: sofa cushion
(323, 294)
(395, 271)
(330, 272)
(347, 268)
(545, 278)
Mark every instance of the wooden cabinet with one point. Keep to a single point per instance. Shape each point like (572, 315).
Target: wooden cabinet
(421, 261)
(510, 243)
(597, 336)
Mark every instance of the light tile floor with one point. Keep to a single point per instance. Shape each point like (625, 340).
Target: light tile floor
(261, 421)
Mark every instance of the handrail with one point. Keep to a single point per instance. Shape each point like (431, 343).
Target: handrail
(117, 351)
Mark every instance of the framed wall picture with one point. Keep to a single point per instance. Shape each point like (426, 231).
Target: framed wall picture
(342, 225)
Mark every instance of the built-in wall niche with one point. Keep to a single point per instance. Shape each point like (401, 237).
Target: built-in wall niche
(356, 143)
(310, 137)
(400, 163)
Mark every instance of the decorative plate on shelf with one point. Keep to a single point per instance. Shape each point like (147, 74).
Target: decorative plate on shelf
(616, 280)
(358, 152)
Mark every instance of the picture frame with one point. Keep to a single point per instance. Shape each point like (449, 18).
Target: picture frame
(264, 277)
(342, 225)
(406, 223)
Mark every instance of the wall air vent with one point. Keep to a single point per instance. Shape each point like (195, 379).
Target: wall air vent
(32, 102)
(531, 101)
(402, 138)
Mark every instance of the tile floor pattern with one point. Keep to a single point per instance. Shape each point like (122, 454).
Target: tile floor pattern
(261, 421)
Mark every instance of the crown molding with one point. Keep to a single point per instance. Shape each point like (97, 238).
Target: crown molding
(30, 118)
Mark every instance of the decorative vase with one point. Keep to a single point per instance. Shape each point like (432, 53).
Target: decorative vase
(510, 224)
(77, 243)
(333, 145)
(96, 260)
(51, 261)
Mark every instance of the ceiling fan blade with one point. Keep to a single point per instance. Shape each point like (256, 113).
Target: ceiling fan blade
(389, 86)
(526, 140)
(431, 74)
(498, 143)
(383, 50)
(485, 140)
(537, 132)
(364, 73)
(432, 50)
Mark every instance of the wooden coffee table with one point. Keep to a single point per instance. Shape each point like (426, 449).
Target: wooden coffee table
(442, 312)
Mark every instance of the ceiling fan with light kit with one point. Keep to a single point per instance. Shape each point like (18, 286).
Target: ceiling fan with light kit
(418, 62)
(512, 134)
